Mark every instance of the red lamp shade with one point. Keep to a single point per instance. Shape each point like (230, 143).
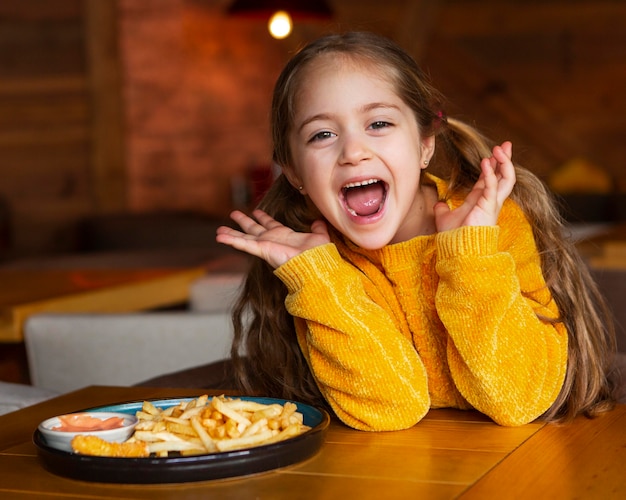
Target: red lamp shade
(296, 8)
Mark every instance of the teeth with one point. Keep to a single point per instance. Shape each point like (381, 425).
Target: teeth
(361, 183)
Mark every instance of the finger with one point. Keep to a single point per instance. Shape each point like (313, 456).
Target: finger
(237, 214)
(319, 227)
(234, 238)
(505, 171)
(446, 218)
(486, 169)
(506, 182)
(223, 229)
(491, 163)
(243, 243)
(490, 191)
(500, 155)
(265, 220)
(239, 217)
(247, 224)
(441, 210)
(228, 231)
(507, 147)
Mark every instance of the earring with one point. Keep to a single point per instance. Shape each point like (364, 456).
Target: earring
(426, 163)
(300, 187)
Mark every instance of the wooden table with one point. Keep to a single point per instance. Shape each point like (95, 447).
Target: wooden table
(450, 454)
(24, 292)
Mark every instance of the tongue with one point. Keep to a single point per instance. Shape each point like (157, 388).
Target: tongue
(365, 200)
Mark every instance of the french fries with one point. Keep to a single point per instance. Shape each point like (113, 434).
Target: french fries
(208, 425)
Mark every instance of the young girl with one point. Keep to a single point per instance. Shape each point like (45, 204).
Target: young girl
(384, 290)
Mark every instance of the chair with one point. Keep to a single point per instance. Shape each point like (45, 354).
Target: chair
(215, 292)
(69, 351)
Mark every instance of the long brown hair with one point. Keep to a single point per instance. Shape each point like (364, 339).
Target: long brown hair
(265, 351)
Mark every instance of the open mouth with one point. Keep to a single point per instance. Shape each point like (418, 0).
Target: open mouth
(364, 198)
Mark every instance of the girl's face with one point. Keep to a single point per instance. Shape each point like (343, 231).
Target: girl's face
(357, 153)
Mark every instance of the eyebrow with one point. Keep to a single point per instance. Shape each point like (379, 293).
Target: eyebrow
(364, 109)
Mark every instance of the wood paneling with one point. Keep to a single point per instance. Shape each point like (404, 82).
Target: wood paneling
(107, 160)
(61, 153)
(44, 122)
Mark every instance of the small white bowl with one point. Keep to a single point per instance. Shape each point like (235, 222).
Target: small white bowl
(61, 440)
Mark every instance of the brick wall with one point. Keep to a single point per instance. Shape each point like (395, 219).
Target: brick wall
(197, 90)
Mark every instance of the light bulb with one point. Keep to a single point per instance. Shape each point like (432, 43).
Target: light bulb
(280, 25)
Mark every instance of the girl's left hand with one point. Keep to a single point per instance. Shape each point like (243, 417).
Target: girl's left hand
(484, 202)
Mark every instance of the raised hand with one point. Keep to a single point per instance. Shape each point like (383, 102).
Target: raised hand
(482, 205)
(268, 239)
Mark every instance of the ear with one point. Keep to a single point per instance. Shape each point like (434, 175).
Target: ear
(427, 150)
(293, 179)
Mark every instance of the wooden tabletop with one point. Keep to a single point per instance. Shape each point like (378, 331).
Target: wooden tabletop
(25, 292)
(450, 454)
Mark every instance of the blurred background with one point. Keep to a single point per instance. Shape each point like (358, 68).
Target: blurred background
(116, 115)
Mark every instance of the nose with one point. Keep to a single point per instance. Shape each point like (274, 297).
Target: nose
(354, 149)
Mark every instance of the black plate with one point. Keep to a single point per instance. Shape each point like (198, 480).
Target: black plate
(188, 468)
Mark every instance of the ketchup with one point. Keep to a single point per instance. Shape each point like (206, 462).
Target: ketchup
(80, 422)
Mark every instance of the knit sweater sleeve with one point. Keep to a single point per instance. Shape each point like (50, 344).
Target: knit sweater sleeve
(342, 327)
(505, 356)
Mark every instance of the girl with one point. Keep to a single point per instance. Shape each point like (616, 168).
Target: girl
(384, 290)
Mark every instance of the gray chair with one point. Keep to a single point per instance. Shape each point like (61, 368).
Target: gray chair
(70, 351)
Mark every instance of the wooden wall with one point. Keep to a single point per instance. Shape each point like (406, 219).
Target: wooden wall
(128, 105)
(44, 119)
(197, 86)
(60, 149)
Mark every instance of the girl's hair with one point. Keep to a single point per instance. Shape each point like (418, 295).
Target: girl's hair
(265, 352)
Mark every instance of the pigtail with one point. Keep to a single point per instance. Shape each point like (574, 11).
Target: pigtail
(460, 149)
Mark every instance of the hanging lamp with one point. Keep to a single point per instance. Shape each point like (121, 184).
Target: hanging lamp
(280, 13)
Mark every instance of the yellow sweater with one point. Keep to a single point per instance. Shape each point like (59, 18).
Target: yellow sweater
(444, 320)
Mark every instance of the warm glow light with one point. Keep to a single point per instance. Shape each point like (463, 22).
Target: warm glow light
(280, 25)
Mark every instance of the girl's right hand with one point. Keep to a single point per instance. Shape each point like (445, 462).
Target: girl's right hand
(270, 240)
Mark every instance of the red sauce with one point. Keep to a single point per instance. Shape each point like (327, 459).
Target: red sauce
(80, 422)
